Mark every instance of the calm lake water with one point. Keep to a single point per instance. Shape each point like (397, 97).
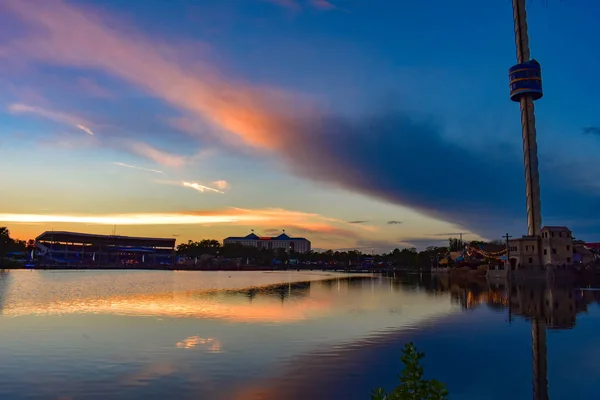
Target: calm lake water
(288, 335)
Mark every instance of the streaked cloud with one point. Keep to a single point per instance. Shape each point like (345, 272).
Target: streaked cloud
(150, 152)
(323, 4)
(357, 222)
(272, 231)
(317, 228)
(262, 217)
(296, 5)
(450, 234)
(127, 219)
(200, 188)
(326, 229)
(156, 171)
(85, 129)
(55, 116)
(289, 4)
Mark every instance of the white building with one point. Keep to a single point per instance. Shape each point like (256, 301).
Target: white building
(554, 247)
(283, 241)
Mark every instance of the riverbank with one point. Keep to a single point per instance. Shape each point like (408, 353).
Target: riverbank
(162, 267)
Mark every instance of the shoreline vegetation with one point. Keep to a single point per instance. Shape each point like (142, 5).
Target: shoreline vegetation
(412, 384)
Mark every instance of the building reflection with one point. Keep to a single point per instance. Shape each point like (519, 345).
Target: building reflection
(547, 304)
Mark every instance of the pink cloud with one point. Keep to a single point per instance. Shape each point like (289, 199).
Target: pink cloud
(150, 152)
(28, 95)
(323, 4)
(230, 105)
(289, 4)
(295, 5)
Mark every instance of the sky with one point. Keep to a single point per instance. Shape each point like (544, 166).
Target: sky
(356, 124)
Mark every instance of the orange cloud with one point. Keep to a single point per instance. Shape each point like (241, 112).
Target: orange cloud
(260, 217)
(232, 106)
(221, 184)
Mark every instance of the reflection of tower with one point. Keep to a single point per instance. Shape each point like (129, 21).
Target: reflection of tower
(530, 299)
(525, 88)
(540, 360)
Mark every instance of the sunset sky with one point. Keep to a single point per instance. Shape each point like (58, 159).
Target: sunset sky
(354, 123)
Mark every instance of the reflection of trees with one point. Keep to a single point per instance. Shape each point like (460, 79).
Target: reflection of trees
(284, 291)
(280, 291)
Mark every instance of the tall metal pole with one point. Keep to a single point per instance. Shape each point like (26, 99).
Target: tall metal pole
(530, 157)
(534, 209)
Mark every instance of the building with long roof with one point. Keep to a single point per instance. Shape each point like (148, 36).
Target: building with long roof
(91, 249)
(283, 241)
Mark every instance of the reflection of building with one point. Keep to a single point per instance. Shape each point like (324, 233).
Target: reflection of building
(554, 304)
(283, 241)
(84, 248)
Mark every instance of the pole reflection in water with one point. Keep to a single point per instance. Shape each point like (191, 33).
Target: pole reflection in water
(540, 361)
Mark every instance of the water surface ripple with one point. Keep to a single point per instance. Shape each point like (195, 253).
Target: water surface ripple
(286, 335)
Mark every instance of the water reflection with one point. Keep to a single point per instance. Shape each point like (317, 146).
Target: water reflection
(213, 345)
(273, 336)
(548, 304)
(556, 303)
(174, 296)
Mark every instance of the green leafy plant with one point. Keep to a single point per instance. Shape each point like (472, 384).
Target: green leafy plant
(412, 385)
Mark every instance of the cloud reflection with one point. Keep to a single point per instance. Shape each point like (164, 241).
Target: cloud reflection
(213, 345)
(263, 304)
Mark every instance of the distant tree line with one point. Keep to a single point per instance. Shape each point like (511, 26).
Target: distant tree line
(406, 258)
(9, 245)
